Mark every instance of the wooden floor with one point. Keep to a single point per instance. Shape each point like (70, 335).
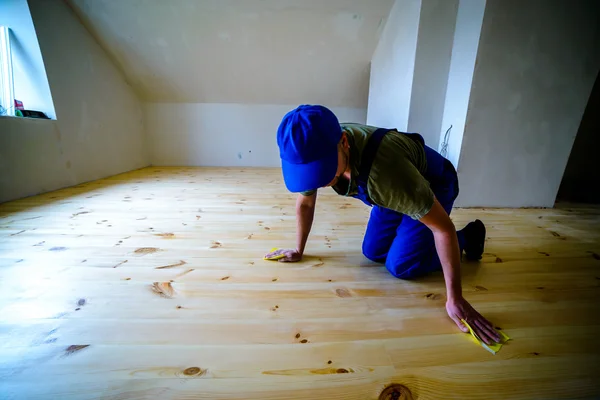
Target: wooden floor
(151, 285)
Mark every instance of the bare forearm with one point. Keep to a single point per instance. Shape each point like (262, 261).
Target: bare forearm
(304, 218)
(448, 251)
(446, 243)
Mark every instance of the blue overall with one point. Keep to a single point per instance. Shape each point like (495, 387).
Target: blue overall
(405, 245)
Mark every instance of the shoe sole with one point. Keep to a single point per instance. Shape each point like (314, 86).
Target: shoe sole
(477, 254)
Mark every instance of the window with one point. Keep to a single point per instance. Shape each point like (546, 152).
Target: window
(24, 87)
(7, 95)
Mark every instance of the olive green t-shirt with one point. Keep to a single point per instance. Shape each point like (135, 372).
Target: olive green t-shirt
(396, 179)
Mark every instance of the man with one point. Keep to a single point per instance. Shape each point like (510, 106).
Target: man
(410, 186)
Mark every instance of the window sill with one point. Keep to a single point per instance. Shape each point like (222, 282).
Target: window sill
(27, 118)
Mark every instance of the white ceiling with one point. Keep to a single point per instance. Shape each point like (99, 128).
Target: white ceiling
(241, 51)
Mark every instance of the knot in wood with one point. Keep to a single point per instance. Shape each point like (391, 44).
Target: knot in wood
(192, 371)
(396, 392)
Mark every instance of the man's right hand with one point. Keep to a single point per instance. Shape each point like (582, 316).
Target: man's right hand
(291, 255)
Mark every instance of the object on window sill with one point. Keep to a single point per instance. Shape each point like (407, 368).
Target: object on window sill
(33, 114)
(20, 111)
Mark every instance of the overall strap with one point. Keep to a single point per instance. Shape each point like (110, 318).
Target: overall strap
(366, 162)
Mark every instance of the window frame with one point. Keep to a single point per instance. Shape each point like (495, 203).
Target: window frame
(7, 89)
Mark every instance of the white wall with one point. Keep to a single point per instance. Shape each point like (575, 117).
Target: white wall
(392, 67)
(218, 76)
(30, 81)
(460, 76)
(221, 134)
(536, 65)
(432, 63)
(99, 130)
(241, 51)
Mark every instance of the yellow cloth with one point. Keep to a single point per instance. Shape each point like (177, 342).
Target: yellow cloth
(492, 348)
(276, 257)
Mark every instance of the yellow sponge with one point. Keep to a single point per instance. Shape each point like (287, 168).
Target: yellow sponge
(275, 257)
(492, 348)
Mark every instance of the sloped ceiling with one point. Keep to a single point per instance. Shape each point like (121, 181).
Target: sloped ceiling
(241, 51)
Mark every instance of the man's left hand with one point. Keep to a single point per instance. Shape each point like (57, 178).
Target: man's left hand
(461, 309)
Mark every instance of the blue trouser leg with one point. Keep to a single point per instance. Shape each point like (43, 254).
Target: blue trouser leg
(407, 246)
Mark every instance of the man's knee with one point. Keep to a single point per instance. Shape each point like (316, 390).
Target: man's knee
(373, 253)
(406, 269)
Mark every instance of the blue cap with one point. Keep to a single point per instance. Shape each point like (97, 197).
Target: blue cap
(308, 138)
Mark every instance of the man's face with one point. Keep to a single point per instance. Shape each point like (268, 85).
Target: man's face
(342, 161)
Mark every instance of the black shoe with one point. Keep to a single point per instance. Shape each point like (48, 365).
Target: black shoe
(474, 239)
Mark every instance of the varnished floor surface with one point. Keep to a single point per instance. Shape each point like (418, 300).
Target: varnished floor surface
(151, 285)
